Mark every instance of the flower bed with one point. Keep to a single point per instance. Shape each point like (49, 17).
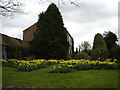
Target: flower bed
(82, 64)
(63, 66)
(25, 65)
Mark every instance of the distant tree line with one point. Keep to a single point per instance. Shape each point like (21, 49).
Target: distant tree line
(104, 46)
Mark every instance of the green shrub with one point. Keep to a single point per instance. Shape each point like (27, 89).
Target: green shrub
(100, 54)
(99, 50)
(88, 52)
(95, 67)
(95, 54)
(115, 53)
(31, 57)
(82, 55)
(83, 67)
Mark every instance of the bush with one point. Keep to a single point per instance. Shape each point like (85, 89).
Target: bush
(98, 66)
(115, 53)
(83, 67)
(31, 57)
(82, 55)
(99, 54)
(88, 52)
(95, 54)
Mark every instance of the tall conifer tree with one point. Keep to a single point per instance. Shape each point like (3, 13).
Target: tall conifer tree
(99, 42)
(99, 50)
(51, 38)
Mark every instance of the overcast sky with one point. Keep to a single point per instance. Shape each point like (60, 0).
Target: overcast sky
(93, 16)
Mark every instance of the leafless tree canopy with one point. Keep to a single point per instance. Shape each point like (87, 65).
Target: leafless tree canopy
(8, 7)
(85, 46)
(76, 3)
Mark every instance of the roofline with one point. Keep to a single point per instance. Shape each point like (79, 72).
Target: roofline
(29, 27)
(69, 34)
(11, 37)
(19, 40)
(36, 23)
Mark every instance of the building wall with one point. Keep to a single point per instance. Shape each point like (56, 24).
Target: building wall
(8, 45)
(71, 45)
(4, 53)
(28, 34)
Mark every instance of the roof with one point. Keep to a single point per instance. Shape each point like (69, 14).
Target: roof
(30, 27)
(12, 42)
(36, 24)
(69, 34)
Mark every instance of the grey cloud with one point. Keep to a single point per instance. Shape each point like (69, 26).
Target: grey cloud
(19, 22)
(82, 23)
(91, 12)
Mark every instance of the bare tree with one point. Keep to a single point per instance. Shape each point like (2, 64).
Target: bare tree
(9, 7)
(85, 46)
(76, 3)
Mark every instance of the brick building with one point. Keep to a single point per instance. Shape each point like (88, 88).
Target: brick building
(28, 35)
(10, 44)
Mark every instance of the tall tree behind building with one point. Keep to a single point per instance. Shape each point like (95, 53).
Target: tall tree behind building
(51, 38)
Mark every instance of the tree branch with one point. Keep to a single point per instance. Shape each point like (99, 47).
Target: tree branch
(8, 7)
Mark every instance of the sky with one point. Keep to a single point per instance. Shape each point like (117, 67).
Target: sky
(83, 22)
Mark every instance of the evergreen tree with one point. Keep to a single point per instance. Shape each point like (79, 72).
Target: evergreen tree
(99, 42)
(110, 40)
(82, 55)
(76, 50)
(99, 48)
(115, 53)
(51, 38)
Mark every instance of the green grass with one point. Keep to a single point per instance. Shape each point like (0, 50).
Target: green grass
(77, 79)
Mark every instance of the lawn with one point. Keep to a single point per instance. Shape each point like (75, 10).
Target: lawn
(76, 79)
